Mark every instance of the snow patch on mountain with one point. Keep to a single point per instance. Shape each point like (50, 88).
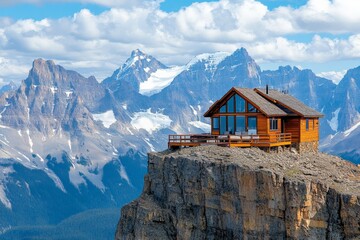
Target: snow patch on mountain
(350, 130)
(150, 121)
(334, 123)
(68, 93)
(159, 80)
(107, 118)
(30, 140)
(80, 173)
(4, 109)
(147, 140)
(211, 59)
(193, 110)
(53, 89)
(76, 177)
(201, 125)
(5, 171)
(123, 174)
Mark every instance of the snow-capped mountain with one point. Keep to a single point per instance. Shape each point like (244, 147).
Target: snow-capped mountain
(343, 116)
(344, 106)
(84, 143)
(55, 143)
(344, 143)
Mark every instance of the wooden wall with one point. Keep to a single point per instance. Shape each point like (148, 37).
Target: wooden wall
(262, 124)
(292, 125)
(313, 133)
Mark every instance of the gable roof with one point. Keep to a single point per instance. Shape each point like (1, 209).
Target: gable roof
(289, 102)
(263, 105)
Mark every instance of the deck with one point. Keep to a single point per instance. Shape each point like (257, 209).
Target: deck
(193, 140)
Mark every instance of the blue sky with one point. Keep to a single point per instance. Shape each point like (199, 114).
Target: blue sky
(96, 36)
(47, 10)
(51, 10)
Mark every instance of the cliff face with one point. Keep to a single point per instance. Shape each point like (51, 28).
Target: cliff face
(222, 193)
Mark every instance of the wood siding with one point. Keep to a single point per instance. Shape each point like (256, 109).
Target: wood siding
(312, 134)
(262, 124)
(292, 125)
(215, 132)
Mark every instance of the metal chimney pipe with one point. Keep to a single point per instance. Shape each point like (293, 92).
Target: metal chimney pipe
(267, 89)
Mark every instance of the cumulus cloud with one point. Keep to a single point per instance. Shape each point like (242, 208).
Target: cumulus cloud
(11, 70)
(334, 76)
(96, 44)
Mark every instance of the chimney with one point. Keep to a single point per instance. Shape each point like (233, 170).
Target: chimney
(267, 89)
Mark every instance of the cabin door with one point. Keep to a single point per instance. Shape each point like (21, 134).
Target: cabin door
(252, 125)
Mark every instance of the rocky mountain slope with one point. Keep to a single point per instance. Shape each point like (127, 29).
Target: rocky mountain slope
(222, 193)
(344, 112)
(57, 155)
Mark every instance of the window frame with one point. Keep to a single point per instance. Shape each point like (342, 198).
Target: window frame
(274, 122)
(253, 107)
(240, 102)
(307, 124)
(213, 123)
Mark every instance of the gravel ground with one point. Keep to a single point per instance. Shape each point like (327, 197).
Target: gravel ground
(335, 172)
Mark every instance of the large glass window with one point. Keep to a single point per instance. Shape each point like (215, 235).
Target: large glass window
(231, 104)
(240, 103)
(231, 124)
(223, 108)
(240, 124)
(273, 124)
(215, 123)
(252, 125)
(222, 124)
(251, 108)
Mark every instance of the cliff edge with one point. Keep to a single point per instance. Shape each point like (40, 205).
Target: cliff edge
(232, 193)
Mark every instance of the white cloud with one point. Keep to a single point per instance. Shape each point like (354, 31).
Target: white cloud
(334, 76)
(94, 44)
(11, 70)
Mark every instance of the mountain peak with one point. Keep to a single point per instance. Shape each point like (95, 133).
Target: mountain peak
(241, 51)
(38, 63)
(137, 53)
(136, 56)
(210, 59)
(42, 72)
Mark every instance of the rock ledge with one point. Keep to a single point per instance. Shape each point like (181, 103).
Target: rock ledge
(222, 193)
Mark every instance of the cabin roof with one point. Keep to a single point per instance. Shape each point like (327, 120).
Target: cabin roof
(263, 105)
(271, 104)
(289, 102)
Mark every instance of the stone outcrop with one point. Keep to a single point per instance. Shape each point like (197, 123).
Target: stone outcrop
(222, 193)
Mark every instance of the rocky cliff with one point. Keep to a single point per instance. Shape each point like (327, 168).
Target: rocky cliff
(222, 193)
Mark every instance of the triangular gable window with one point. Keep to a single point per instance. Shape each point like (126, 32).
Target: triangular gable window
(234, 104)
(223, 108)
(240, 104)
(251, 108)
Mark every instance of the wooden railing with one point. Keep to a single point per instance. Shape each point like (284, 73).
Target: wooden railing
(266, 140)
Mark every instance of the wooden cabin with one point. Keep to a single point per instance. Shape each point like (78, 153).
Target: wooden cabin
(246, 117)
